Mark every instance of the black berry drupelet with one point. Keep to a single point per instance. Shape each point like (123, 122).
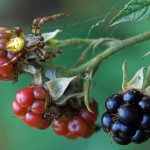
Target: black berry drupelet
(132, 96)
(106, 121)
(113, 103)
(140, 136)
(144, 103)
(129, 114)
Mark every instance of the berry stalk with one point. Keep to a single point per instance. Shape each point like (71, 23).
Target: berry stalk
(114, 47)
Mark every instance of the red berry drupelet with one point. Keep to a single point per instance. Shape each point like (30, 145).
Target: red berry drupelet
(29, 106)
(127, 117)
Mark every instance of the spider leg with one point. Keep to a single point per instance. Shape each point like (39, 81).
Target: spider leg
(34, 24)
(59, 22)
(12, 60)
(49, 18)
(16, 72)
(41, 53)
(52, 54)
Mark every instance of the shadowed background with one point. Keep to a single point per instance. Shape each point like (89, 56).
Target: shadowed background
(14, 134)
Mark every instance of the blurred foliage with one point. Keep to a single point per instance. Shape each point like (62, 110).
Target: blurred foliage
(15, 135)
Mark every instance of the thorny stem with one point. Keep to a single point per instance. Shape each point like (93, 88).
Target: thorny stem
(97, 60)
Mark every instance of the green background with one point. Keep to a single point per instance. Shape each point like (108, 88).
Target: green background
(14, 134)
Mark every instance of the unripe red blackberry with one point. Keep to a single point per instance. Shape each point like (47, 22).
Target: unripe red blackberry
(79, 122)
(30, 109)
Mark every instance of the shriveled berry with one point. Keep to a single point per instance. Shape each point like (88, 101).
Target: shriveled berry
(24, 97)
(132, 96)
(32, 119)
(19, 111)
(77, 126)
(60, 126)
(113, 103)
(106, 121)
(140, 136)
(122, 141)
(145, 121)
(39, 93)
(38, 107)
(129, 114)
(144, 103)
(121, 130)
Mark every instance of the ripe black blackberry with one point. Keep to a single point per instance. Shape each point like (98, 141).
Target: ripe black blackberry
(129, 123)
(127, 117)
(131, 120)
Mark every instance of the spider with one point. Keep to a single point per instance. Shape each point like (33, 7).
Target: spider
(30, 46)
(33, 43)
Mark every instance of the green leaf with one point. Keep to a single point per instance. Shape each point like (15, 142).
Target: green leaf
(134, 10)
(57, 87)
(125, 76)
(50, 35)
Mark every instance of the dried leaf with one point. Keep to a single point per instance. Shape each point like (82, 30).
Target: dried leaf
(29, 69)
(50, 35)
(58, 86)
(137, 81)
(66, 97)
(37, 78)
(50, 74)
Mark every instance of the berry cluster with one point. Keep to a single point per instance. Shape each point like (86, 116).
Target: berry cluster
(29, 106)
(6, 72)
(127, 117)
(81, 122)
(68, 121)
